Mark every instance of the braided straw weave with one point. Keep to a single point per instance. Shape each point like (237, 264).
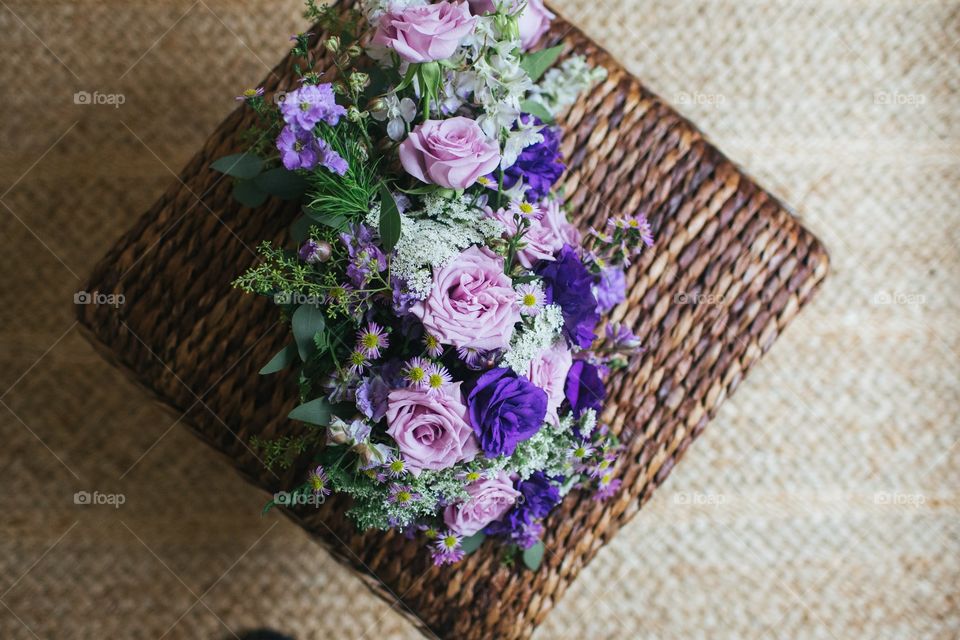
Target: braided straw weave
(729, 269)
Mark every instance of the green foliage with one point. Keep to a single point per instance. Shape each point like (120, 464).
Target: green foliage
(348, 195)
(316, 412)
(283, 359)
(389, 219)
(537, 62)
(239, 165)
(281, 452)
(533, 556)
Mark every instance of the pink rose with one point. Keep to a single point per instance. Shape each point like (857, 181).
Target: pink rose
(452, 153)
(472, 303)
(549, 372)
(431, 430)
(490, 499)
(534, 20)
(545, 237)
(425, 33)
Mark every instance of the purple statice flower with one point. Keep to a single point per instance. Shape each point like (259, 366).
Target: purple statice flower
(620, 337)
(539, 165)
(372, 339)
(446, 549)
(371, 397)
(318, 482)
(310, 104)
(365, 256)
(611, 288)
(402, 494)
(584, 388)
(298, 149)
(250, 94)
(568, 284)
(505, 409)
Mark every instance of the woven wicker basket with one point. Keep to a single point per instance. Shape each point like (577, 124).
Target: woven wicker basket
(730, 268)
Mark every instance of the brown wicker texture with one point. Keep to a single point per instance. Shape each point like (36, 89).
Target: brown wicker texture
(730, 268)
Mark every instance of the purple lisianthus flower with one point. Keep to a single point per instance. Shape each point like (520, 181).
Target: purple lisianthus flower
(569, 284)
(611, 288)
(539, 165)
(298, 149)
(372, 397)
(584, 388)
(308, 105)
(540, 495)
(505, 409)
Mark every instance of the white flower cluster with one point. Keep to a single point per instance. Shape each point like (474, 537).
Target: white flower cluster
(435, 235)
(374, 9)
(533, 339)
(561, 86)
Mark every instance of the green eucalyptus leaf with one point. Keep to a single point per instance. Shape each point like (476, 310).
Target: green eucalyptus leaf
(537, 63)
(239, 165)
(334, 220)
(247, 193)
(307, 320)
(282, 183)
(281, 361)
(300, 229)
(316, 412)
(389, 219)
(271, 504)
(537, 109)
(533, 556)
(472, 543)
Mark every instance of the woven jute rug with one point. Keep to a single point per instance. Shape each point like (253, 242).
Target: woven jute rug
(822, 502)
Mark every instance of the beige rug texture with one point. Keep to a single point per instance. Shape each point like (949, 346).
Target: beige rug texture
(821, 503)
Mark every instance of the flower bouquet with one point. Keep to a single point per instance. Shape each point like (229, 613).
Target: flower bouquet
(447, 319)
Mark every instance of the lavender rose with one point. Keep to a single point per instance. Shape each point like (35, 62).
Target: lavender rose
(425, 33)
(452, 153)
(490, 499)
(472, 303)
(534, 19)
(545, 237)
(584, 388)
(505, 409)
(431, 429)
(549, 372)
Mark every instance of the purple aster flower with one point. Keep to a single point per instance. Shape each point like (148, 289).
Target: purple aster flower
(250, 94)
(539, 165)
(569, 284)
(318, 481)
(584, 388)
(372, 339)
(298, 149)
(415, 373)
(437, 378)
(611, 288)
(471, 357)
(608, 487)
(402, 494)
(505, 409)
(434, 348)
(308, 105)
(446, 549)
(531, 299)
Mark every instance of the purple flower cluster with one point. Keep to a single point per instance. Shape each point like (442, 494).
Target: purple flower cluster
(299, 147)
(540, 494)
(366, 257)
(568, 284)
